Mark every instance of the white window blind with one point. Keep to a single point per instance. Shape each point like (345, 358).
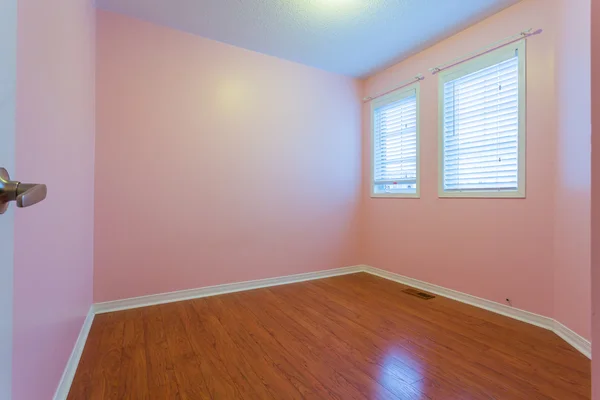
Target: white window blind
(395, 146)
(481, 124)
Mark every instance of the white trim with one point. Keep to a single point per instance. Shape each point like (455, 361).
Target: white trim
(164, 298)
(405, 91)
(581, 344)
(574, 339)
(398, 195)
(62, 391)
(578, 342)
(477, 194)
(471, 66)
(498, 308)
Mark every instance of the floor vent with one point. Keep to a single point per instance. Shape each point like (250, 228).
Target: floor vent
(419, 294)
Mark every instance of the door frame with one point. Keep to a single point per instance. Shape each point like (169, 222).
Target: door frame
(8, 79)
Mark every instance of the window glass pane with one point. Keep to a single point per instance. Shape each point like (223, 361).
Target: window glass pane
(481, 129)
(395, 147)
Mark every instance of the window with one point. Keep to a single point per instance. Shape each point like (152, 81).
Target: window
(395, 146)
(482, 126)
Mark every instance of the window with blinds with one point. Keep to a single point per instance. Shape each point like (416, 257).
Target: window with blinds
(482, 126)
(396, 144)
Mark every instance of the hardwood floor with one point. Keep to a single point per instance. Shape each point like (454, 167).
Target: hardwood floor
(349, 337)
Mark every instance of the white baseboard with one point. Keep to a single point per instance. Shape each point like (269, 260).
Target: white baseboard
(574, 339)
(581, 344)
(515, 313)
(62, 391)
(164, 298)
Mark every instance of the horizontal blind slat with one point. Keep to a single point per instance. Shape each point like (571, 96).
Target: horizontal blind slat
(506, 148)
(480, 122)
(485, 122)
(482, 128)
(471, 80)
(494, 84)
(395, 143)
(496, 106)
(481, 161)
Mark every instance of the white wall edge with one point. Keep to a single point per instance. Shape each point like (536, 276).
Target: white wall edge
(181, 295)
(583, 345)
(62, 391)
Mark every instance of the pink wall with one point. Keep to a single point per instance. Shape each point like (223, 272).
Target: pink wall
(535, 251)
(572, 285)
(488, 248)
(54, 145)
(595, 18)
(216, 164)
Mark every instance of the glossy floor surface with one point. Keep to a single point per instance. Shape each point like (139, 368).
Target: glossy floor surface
(349, 337)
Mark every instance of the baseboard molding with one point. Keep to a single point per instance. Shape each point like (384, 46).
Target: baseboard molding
(62, 391)
(574, 339)
(164, 298)
(515, 313)
(581, 344)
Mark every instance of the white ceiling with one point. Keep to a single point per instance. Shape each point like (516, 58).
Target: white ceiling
(350, 37)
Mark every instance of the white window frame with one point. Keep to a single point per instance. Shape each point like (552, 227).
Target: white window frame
(487, 60)
(385, 100)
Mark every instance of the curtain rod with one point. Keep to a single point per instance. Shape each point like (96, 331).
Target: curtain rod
(417, 78)
(495, 46)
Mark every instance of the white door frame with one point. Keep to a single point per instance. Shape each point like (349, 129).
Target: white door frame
(8, 75)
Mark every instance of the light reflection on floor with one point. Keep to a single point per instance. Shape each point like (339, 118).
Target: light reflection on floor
(402, 371)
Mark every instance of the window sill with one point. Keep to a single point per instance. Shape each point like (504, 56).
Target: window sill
(481, 195)
(395, 196)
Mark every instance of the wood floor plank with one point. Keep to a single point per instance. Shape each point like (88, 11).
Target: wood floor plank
(162, 382)
(361, 349)
(495, 327)
(307, 377)
(82, 387)
(397, 352)
(345, 378)
(507, 347)
(459, 349)
(441, 389)
(447, 345)
(202, 339)
(349, 337)
(348, 353)
(280, 377)
(223, 348)
(132, 372)
(191, 372)
(103, 363)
